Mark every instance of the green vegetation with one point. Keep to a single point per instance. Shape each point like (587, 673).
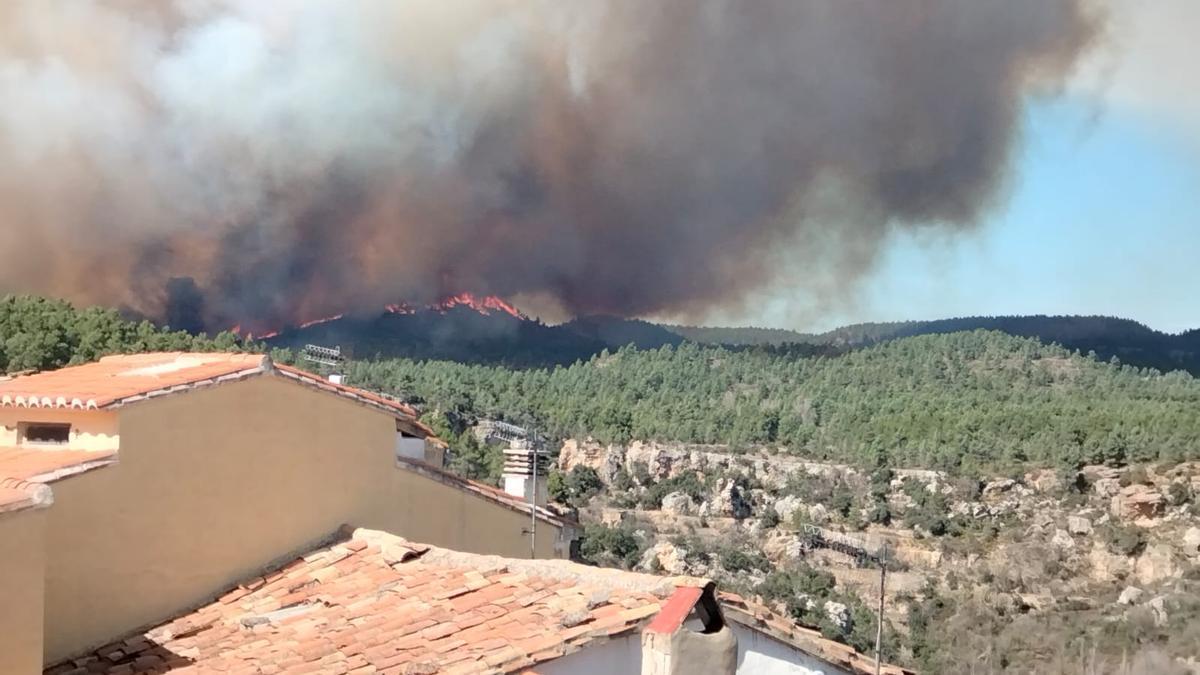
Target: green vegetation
(610, 546)
(575, 487)
(41, 334)
(973, 403)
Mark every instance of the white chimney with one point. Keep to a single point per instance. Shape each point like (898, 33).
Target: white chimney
(525, 472)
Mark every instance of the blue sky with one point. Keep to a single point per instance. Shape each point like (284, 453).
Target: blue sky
(1103, 217)
(1102, 213)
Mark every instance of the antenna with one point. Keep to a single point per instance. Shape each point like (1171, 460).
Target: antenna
(325, 356)
(815, 537)
(535, 462)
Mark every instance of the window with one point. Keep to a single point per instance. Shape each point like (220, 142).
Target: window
(45, 434)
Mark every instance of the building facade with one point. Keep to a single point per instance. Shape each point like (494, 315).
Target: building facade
(139, 485)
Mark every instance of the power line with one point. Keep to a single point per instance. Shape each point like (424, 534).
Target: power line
(815, 537)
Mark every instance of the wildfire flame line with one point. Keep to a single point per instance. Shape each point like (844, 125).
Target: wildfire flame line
(485, 305)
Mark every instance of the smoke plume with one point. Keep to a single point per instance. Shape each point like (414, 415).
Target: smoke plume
(265, 162)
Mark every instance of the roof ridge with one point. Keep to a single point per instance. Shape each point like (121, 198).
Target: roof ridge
(39, 494)
(547, 568)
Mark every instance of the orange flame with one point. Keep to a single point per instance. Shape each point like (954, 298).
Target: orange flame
(484, 305)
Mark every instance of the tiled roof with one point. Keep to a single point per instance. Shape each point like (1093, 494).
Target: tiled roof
(114, 380)
(373, 602)
(16, 494)
(43, 464)
(360, 395)
(485, 491)
(118, 380)
(761, 618)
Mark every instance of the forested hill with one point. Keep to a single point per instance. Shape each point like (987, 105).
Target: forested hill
(978, 401)
(749, 335)
(42, 334)
(1129, 341)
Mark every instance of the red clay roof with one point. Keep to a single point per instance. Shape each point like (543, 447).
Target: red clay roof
(42, 464)
(16, 494)
(382, 604)
(361, 395)
(118, 379)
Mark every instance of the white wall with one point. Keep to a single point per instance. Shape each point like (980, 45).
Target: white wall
(761, 654)
(410, 447)
(619, 655)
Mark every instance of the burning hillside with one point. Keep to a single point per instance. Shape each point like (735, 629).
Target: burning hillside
(484, 305)
(207, 163)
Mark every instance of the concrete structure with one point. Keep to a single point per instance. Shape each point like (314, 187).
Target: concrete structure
(174, 475)
(525, 472)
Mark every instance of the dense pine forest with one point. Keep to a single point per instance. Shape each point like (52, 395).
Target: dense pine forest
(978, 401)
(969, 402)
(42, 334)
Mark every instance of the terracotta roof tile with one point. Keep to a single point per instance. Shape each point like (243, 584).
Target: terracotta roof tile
(116, 379)
(45, 464)
(366, 396)
(386, 613)
(17, 494)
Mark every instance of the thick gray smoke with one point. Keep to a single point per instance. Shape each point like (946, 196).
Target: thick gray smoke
(305, 158)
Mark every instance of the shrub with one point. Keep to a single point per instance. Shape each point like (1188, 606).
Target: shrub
(576, 487)
(608, 546)
(769, 518)
(742, 558)
(1180, 493)
(1123, 540)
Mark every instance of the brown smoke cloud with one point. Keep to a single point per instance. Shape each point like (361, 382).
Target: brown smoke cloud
(619, 156)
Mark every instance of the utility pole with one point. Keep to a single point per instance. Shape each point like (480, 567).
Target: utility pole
(533, 473)
(815, 537)
(879, 622)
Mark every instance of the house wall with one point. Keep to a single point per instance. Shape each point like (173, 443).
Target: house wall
(619, 655)
(761, 654)
(23, 554)
(212, 485)
(90, 429)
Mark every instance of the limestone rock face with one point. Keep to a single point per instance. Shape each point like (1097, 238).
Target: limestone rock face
(1106, 566)
(996, 488)
(1130, 596)
(1079, 525)
(728, 502)
(1043, 480)
(818, 514)
(606, 461)
(677, 503)
(1062, 540)
(1159, 607)
(787, 507)
(1138, 501)
(1191, 541)
(670, 558)
(783, 546)
(1156, 563)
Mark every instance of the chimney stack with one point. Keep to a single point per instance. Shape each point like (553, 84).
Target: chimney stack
(525, 472)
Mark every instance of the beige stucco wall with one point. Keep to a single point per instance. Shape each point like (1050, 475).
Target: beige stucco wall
(90, 429)
(22, 555)
(211, 485)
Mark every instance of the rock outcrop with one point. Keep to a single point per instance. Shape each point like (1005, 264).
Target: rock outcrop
(1138, 501)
